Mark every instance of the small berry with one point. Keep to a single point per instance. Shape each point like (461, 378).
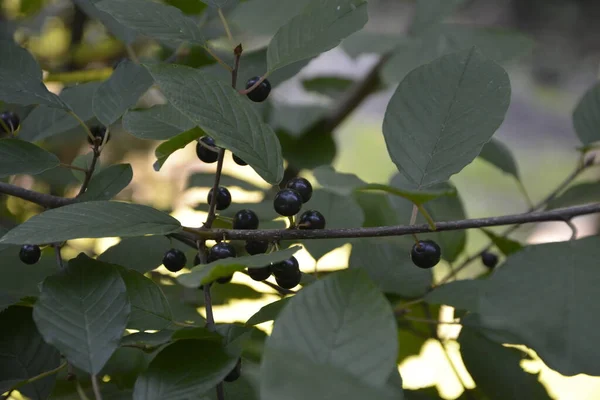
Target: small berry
(260, 274)
(289, 281)
(287, 273)
(225, 279)
(245, 219)
(204, 153)
(30, 254)
(254, 247)
(174, 260)
(301, 186)
(197, 260)
(98, 132)
(223, 198)
(261, 92)
(239, 161)
(287, 202)
(311, 219)
(235, 373)
(490, 260)
(11, 120)
(426, 254)
(220, 251)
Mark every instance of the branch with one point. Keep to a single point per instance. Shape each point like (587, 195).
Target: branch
(42, 199)
(560, 214)
(90, 171)
(38, 377)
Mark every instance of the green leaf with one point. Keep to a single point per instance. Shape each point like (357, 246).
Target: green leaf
(150, 309)
(121, 91)
(225, 115)
(165, 149)
(331, 86)
(500, 156)
(147, 339)
(24, 354)
(203, 274)
(586, 116)
(377, 209)
(268, 312)
(249, 16)
(159, 21)
(502, 379)
(21, 78)
(157, 123)
(20, 157)
(506, 245)
(337, 182)
(410, 191)
(339, 322)
(186, 369)
(431, 12)
(207, 180)
(83, 312)
(108, 182)
(140, 254)
(388, 264)
(365, 41)
(443, 113)
(122, 32)
(44, 122)
(125, 365)
(583, 193)
(310, 150)
(296, 119)
(462, 295)
(94, 219)
(319, 28)
(188, 6)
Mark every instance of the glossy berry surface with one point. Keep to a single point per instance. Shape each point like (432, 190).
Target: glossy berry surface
(289, 281)
(287, 273)
(11, 120)
(174, 260)
(245, 219)
(488, 259)
(254, 247)
(301, 186)
(99, 132)
(30, 254)
(311, 219)
(220, 251)
(225, 279)
(260, 274)
(287, 202)
(204, 153)
(235, 373)
(426, 254)
(239, 161)
(261, 92)
(223, 198)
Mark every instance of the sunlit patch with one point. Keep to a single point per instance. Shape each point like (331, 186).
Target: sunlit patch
(106, 378)
(103, 244)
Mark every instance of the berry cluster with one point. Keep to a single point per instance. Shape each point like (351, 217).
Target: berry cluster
(207, 151)
(10, 122)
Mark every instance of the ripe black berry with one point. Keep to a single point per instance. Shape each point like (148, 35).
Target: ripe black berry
(287, 202)
(254, 247)
(30, 254)
(174, 260)
(220, 251)
(260, 274)
(426, 254)
(98, 132)
(197, 260)
(311, 219)
(287, 273)
(204, 153)
(223, 198)
(235, 373)
(301, 186)
(225, 279)
(261, 92)
(289, 281)
(245, 219)
(490, 260)
(11, 120)
(239, 161)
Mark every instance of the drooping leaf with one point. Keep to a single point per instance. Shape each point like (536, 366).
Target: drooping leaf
(443, 113)
(159, 122)
(93, 219)
(24, 354)
(586, 116)
(319, 28)
(225, 115)
(499, 155)
(109, 182)
(186, 369)
(121, 91)
(83, 312)
(331, 86)
(410, 191)
(20, 157)
(140, 254)
(580, 194)
(430, 12)
(505, 244)
(268, 312)
(121, 31)
(165, 149)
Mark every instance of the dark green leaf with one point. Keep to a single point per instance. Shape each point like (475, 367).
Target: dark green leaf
(125, 365)
(504, 244)
(109, 182)
(499, 155)
(365, 41)
(586, 116)
(312, 149)
(140, 254)
(377, 209)
(268, 312)
(337, 182)
(197, 333)
(250, 15)
(580, 194)
(296, 119)
(207, 180)
(93, 219)
(20, 157)
(83, 312)
(331, 86)
(188, 6)
(178, 142)
(443, 113)
(462, 295)
(84, 161)
(159, 122)
(410, 191)
(430, 12)
(124, 33)
(147, 339)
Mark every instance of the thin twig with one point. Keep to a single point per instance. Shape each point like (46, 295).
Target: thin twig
(210, 318)
(72, 167)
(277, 288)
(237, 53)
(220, 391)
(44, 200)
(80, 391)
(59, 259)
(212, 208)
(131, 54)
(225, 24)
(83, 125)
(573, 228)
(217, 58)
(90, 172)
(38, 377)
(96, 388)
(256, 84)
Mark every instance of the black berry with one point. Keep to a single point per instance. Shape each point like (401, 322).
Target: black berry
(245, 219)
(225, 279)
(98, 132)
(426, 254)
(239, 161)
(235, 373)
(301, 186)
(254, 247)
(311, 219)
(220, 251)
(174, 260)
(490, 260)
(261, 92)
(287, 202)
(11, 120)
(204, 153)
(260, 274)
(197, 260)
(223, 198)
(287, 273)
(30, 254)
(289, 281)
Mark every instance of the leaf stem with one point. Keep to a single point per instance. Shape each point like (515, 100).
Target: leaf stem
(82, 123)
(38, 377)
(90, 171)
(225, 24)
(72, 167)
(59, 259)
(131, 54)
(210, 318)
(213, 201)
(80, 391)
(217, 58)
(96, 388)
(256, 84)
